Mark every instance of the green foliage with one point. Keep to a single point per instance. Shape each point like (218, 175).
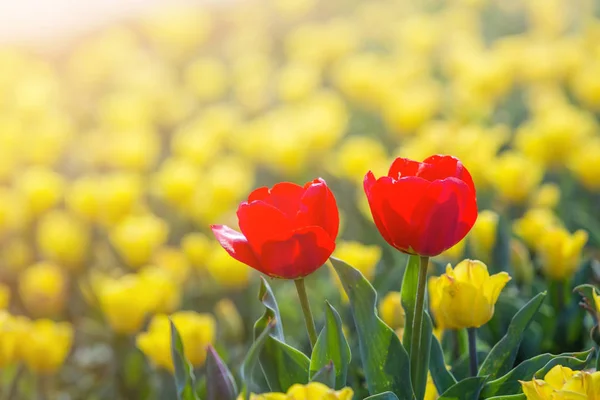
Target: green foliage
(326, 375)
(185, 381)
(252, 359)
(467, 389)
(385, 362)
(442, 378)
(220, 384)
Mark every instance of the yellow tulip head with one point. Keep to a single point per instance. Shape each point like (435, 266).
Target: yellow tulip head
(310, 391)
(196, 331)
(64, 239)
(43, 289)
(560, 252)
(534, 223)
(562, 383)
(137, 237)
(464, 297)
(196, 246)
(226, 271)
(48, 345)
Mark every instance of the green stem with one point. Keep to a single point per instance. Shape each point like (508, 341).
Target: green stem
(308, 318)
(417, 328)
(474, 363)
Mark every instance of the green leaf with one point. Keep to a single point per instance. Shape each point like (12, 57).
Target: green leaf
(283, 365)
(442, 378)
(467, 389)
(331, 346)
(252, 358)
(385, 362)
(520, 396)
(501, 251)
(587, 292)
(184, 374)
(383, 396)
(325, 375)
(501, 358)
(409, 296)
(576, 361)
(220, 384)
(267, 298)
(509, 383)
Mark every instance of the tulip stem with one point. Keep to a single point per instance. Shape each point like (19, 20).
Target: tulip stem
(417, 328)
(308, 317)
(474, 363)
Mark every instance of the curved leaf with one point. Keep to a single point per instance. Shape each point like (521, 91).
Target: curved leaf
(509, 383)
(383, 396)
(267, 298)
(185, 381)
(385, 362)
(325, 375)
(252, 359)
(419, 363)
(283, 365)
(467, 389)
(442, 378)
(220, 384)
(501, 358)
(331, 346)
(587, 292)
(577, 361)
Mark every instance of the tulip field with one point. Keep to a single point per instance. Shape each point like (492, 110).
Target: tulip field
(305, 200)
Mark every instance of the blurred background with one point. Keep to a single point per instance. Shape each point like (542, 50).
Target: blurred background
(127, 127)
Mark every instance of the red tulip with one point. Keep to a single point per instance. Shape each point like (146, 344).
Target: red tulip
(424, 207)
(288, 231)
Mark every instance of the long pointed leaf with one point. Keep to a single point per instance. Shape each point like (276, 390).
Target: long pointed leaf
(267, 298)
(252, 359)
(467, 389)
(220, 384)
(385, 362)
(501, 358)
(442, 378)
(185, 381)
(383, 396)
(571, 362)
(283, 365)
(332, 346)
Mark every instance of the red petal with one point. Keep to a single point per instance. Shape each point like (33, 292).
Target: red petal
(440, 167)
(319, 208)
(262, 194)
(236, 245)
(375, 204)
(444, 216)
(284, 196)
(302, 253)
(404, 167)
(396, 201)
(261, 222)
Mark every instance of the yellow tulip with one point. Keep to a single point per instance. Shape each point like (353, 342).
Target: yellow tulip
(482, 238)
(173, 261)
(585, 164)
(562, 383)
(126, 301)
(226, 271)
(207, 78)
(164, 288)
(135, 150)
(310, 391)
(17, 254)
(197, 247)
(391, 310)
(297, 81)
(118, 196)
(464, 297)
(48, 344)
(137, 237)
(9, 339)
(531, 226)
(196, 330)
(515, 176)
(560, 252)
(356, 155)
(547, 196)
(43, 289)
(41, 188)
(177, 180)
(82, 197)
(63, 239)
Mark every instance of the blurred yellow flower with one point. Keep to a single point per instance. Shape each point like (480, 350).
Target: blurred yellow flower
(126, 301)
(391, 310)
(229, 320)
(41, 188)
(585, 164)
(547, 196)
(405, 109)
(521, 262)
(514, 176)
(4, 296)
(63, 239)
(197, 247)
(362, 257)
(431, 392)
(196, 331)
(9, 339)
(531, 226)
(464, 297)
(43, 289)
(173, 261)
(207, 78)
(357, 155)
(164, 289)
(310, 391)
(133, 150)
(563, 383)
(16, 254)
(48, 344)
(482, 237)
(176, 181)
(137, 237)
(296, 81)
(560, 252)
(226, 271)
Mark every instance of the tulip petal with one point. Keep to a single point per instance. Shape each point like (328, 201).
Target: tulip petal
(236, 245)
(375, 205)
(284, 196)
(319, 208)
(443, 217)
(463, 306)
(404, 167)
(302, 253)
(558, 376)
(494, 286)
(537, 390)
(261, 222)
(441, 167)
(472, 271)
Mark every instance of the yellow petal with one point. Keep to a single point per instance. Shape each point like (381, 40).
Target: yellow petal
(537, 390)
(558, 376)
(472, 271)
(494, 285)
(463, 306)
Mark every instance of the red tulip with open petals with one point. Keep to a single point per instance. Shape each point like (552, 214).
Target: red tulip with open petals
(287, 231)
(424, 207)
